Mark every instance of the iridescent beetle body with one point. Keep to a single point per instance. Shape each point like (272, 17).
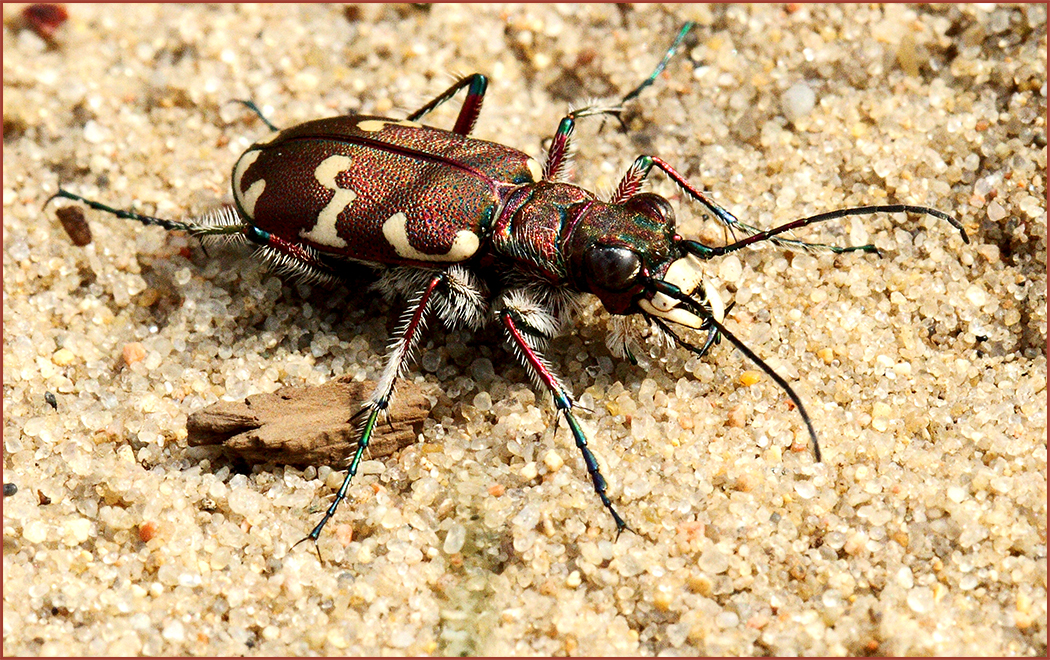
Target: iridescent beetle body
(397, 193)
(477, 232)
(379, 191)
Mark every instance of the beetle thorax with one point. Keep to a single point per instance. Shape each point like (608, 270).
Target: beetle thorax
(532, 227)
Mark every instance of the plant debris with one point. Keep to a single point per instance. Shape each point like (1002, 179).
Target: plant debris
(305, 426)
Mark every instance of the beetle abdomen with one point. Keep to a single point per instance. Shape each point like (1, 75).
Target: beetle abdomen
(378, 190)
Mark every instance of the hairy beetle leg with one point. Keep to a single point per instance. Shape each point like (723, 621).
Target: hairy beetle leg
(287, 257)
(510, 318)
(558, 154)
(407, 337)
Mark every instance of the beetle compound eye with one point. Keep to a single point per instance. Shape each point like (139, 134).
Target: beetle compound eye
(652, 206)
(612, 268)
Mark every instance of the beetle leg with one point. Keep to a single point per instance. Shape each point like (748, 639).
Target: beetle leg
(190, 226)
(248, 103)
(225, 222)
(460, 300)
(407, 336)
(476, 85)
(632, 181)
(288, 258)
(463, 300)
(527, 324)
(684, 30)
(558, 155)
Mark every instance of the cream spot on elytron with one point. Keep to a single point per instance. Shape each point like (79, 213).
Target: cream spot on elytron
(247, 198)
(535, 169)
(324, 230)
(463, 247)
(373, 125)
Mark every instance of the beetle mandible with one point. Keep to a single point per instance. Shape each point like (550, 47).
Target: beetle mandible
(477, 232)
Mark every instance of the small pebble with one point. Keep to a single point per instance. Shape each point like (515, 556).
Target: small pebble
(455, 539)
(920, 600)
(996, 212)
(63, 357)
(147, 531)
(798, 101)
(749, 378)
(174, 632)
(35, 531)
(713, 561)
(134, 352)
(805, 489)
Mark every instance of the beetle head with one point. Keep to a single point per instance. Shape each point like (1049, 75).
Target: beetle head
(626, 255)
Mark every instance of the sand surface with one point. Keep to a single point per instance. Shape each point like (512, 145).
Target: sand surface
(924, 371)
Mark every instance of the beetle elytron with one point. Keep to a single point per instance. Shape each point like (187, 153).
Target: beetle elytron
(477, 232)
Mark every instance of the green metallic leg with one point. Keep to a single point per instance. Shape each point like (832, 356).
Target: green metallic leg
(476, 85)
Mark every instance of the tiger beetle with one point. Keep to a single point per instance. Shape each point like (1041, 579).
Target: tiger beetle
(477, 232)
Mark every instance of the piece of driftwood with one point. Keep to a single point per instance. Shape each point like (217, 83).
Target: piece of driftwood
(304, 426)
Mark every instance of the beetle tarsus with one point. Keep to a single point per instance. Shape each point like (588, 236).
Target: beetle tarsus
(312, 537)
(362, 444)
(148, 220)
(248, 103)
(476, 85)
(682, 32)
(405, 340)
(541, 371)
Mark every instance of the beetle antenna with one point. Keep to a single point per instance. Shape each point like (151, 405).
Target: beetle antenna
(676, 293)
(707, 251)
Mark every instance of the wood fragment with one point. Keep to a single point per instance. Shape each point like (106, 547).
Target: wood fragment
(305, 426)
(76, 226)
